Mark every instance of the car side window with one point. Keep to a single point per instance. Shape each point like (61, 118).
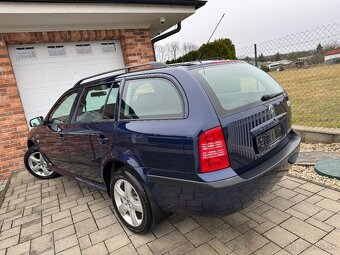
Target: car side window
(151, 98)
(62, 110)
(97, 103)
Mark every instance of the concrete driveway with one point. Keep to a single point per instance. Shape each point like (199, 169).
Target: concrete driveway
(62, 216)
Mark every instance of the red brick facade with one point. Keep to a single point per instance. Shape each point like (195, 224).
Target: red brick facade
(136, 48)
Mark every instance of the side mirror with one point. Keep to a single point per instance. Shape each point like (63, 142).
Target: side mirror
(37, 121)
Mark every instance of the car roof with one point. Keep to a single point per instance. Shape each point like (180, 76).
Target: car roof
(161, 69)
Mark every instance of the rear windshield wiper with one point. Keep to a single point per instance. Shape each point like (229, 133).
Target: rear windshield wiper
(270, 96)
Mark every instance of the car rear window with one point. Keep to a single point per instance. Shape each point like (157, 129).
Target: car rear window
(233, 87)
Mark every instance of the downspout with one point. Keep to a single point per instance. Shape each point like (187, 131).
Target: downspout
(163, 36)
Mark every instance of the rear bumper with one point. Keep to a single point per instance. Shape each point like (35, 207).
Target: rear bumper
(227, 195)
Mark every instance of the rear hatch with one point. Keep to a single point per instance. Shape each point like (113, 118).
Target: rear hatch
(253, 109)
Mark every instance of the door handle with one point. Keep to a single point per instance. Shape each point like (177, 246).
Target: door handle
(62, 137)
(103, 139)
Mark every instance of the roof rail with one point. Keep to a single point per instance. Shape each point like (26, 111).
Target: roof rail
(155, 65)
(199, 62)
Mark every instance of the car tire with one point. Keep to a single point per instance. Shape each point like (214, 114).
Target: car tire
(130, 201)
(36, 165)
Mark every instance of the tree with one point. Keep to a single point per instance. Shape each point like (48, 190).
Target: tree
(277, 57)
(319, 48)
(161, 53)
(174, 50)
(317, 56)
(247, 59)
(261, 58)
(222, 48)
(187, 47)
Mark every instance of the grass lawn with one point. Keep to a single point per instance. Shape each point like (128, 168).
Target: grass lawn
(314, 94)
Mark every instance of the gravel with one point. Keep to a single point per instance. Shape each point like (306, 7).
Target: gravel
(307, 172)
(307, 147)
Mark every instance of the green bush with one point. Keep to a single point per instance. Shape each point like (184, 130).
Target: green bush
(265, 68)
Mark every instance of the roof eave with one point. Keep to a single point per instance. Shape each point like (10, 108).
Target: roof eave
(196, 3)
(200, 4)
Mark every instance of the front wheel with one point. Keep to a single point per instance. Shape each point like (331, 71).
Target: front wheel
(36, 164)
(131, 202)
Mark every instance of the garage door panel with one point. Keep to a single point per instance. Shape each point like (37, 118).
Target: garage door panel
(45, 71)
(87, 70)
(35, 102)
(56, 94)
(32, 76)
(105, 65)
(61, 74)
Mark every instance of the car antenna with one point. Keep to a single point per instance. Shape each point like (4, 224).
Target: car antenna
(203, 48)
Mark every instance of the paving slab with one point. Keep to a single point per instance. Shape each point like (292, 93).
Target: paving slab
(62, 216)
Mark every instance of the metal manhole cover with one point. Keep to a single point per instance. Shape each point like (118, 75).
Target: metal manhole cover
(328, 167)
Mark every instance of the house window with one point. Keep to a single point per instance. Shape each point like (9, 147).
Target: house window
(108, 47)
(25, 52)
(54, 51)
(83, 49)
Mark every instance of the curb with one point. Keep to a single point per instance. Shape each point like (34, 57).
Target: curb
(4, 190)
(318, 135)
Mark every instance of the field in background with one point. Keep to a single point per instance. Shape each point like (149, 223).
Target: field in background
(314, 93)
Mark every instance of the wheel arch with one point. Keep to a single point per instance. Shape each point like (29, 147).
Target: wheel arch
(30, 144)
(113, 165)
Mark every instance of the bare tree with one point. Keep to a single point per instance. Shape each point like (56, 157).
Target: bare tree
(161, 53)
(174, 50)
(188, 47)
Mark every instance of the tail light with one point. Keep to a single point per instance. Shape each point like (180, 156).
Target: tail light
(213, 150)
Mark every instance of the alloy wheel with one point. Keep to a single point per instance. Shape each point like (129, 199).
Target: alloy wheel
(38, 165)
(128, 203)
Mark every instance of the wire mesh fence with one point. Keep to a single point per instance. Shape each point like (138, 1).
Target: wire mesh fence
(307, 65)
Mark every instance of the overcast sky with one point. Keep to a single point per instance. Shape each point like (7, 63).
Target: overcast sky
(250, 21)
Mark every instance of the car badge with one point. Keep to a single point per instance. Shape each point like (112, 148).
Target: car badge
(271, 110)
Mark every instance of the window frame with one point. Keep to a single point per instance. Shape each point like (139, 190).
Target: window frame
(170, 79)
(74, 116)
(69, 118)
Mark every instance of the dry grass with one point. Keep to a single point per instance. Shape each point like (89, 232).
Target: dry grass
(314, 94)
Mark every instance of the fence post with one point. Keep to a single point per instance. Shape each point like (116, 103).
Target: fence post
(255, 51)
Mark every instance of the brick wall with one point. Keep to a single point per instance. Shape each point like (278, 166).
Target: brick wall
(136, 47)
(13, 126)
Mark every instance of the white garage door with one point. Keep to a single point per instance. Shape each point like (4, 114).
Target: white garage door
(45, 71)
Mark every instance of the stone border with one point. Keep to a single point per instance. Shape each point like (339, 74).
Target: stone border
(318, 135)
(4, 190)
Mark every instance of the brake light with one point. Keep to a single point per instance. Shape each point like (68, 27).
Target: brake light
(213, 150)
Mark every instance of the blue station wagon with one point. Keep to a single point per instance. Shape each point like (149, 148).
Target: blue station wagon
(205, 138)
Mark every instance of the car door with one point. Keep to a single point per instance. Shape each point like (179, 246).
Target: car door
(52, 135)
(90, 135)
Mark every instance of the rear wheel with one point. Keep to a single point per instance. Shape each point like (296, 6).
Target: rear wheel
(131, 202)
(36, 164)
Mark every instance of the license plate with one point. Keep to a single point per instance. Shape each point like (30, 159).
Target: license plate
(268, 138)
